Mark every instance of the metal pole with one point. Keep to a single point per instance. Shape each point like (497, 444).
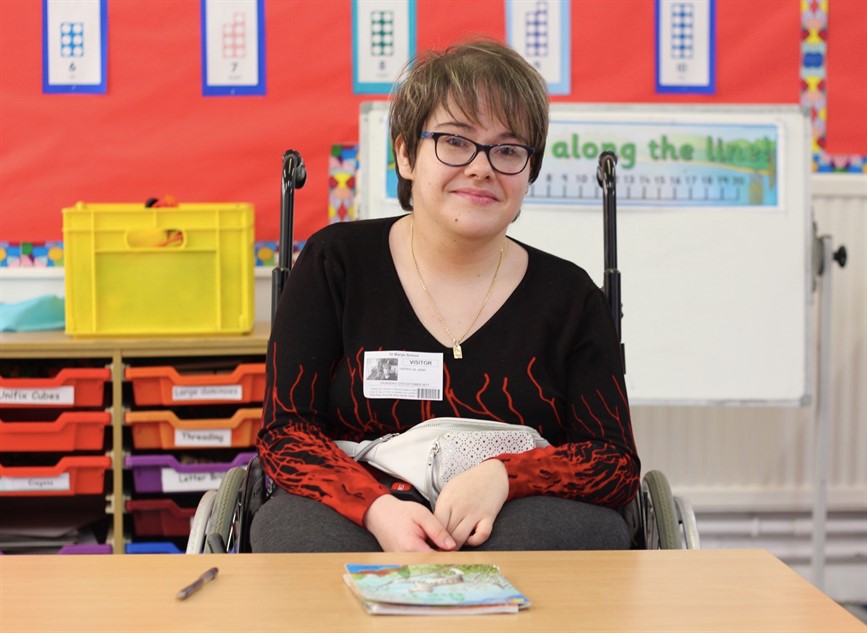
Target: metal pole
(823, 419)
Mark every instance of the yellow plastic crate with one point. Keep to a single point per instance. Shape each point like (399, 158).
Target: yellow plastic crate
(132, 270)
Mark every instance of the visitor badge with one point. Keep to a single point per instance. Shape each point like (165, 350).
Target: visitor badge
(403, 375)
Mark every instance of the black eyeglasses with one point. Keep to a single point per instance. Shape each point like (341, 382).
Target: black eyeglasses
(456, 151)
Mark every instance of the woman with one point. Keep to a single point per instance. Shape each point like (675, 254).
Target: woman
(509, 334)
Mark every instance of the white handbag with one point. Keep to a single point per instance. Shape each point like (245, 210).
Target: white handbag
(430, 454)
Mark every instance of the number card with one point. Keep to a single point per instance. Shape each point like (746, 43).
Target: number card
(685, 46)
(540, 31)
(233, 47)
(383, 41)
(74, 46)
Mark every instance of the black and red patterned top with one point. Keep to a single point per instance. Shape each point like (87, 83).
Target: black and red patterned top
(549, 358)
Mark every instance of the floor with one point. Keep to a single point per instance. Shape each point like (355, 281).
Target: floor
(858, 610)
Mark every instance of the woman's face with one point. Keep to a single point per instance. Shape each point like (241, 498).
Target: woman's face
(474, 200)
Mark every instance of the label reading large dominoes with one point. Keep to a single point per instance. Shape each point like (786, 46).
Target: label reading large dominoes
(207, 392)
(50, 396)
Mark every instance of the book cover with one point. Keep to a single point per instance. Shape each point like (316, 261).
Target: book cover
(433, 589)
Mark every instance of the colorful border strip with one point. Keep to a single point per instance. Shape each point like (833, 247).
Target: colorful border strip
(814, 49)
(50, 254)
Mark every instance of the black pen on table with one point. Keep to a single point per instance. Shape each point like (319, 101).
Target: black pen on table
(190, 589)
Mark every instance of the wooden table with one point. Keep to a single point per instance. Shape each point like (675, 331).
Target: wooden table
(670, 591)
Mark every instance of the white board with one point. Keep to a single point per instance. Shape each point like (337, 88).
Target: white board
(715, 239)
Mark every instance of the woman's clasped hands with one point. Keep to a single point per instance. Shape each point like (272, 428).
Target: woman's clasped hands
(464, 514)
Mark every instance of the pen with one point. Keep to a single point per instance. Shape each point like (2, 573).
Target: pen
(189, 590)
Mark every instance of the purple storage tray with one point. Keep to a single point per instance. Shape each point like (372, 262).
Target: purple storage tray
(148, 476)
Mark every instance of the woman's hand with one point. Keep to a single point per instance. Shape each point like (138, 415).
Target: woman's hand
(405, 526)
(469, 504)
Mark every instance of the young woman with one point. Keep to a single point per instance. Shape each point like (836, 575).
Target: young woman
(506, 332)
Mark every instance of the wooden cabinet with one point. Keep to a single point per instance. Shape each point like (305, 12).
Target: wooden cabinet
(51, 454)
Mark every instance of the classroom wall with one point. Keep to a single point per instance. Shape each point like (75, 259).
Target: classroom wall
(153, 134)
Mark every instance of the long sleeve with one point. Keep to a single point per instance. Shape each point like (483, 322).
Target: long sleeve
(295, 444)
(597, 463)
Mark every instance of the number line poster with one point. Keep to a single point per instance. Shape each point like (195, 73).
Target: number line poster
(74, 46)
(233, 47)
(663, 164)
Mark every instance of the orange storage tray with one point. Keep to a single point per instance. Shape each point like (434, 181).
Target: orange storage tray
(71, 387)
(164, 430)
(165, 386)
(160, 517)
(71, 431)
(73, 475)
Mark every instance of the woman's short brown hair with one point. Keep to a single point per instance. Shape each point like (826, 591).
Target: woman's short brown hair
(469, 76)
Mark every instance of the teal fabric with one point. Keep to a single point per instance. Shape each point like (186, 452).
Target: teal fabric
(40, 313)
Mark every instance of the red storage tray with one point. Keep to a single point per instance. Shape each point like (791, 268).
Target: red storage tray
(160, 517)
(72, 475)
(71, 431)
(164, 430)
(165, 386)
(71, 387)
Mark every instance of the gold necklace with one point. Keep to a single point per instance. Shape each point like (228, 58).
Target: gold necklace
(456, 347)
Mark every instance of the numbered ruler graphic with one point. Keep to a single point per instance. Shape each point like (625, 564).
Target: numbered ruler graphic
(727, 165)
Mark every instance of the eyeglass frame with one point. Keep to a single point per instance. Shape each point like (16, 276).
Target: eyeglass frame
(480, 147)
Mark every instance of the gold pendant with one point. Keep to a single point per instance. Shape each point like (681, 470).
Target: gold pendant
(457, 351)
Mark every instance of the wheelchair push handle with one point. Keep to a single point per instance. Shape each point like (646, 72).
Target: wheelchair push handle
(294, 177)
(607, 178)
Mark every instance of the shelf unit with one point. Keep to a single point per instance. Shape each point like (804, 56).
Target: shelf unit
(119, 353)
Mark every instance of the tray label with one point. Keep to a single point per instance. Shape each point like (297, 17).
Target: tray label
(203, 437)
(173, 481)
(44, 396)
(34, 484)
(207, 392)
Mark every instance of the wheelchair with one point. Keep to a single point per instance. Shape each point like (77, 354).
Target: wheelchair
(657, 519)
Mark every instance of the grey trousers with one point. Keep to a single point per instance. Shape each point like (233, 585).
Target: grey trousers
(289, 523)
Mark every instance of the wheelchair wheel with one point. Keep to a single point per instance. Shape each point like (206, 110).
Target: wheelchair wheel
(662, 524)
(225, 510)
(198, 527)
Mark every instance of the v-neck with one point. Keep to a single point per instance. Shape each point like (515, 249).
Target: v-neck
(391, 269)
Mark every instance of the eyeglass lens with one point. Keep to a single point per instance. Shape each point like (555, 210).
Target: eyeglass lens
(457, 151)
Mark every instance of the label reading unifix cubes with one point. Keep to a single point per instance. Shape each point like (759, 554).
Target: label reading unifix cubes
(44, 396)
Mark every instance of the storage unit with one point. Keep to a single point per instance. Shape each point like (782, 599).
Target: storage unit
(133, 270)
(94, 462)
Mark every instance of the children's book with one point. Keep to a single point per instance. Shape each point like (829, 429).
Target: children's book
(433, 589)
